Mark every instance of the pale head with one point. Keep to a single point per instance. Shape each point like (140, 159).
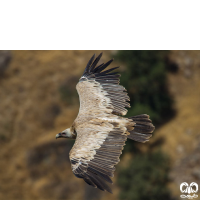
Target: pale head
(67, 133)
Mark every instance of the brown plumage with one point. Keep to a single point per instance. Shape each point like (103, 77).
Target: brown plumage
(99, 129)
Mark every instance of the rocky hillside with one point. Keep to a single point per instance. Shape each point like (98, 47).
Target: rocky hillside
(38, 100)
(182, 134)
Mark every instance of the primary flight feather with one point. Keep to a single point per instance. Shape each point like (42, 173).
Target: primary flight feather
(99, 129)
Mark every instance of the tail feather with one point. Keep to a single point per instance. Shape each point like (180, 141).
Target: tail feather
(142, 128)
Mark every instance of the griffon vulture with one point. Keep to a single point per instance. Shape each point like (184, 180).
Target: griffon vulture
(99, 129)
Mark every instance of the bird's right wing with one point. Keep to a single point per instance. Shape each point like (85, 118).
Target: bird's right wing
(99, 89)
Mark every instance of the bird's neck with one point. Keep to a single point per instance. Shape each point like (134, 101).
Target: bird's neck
(73, 132)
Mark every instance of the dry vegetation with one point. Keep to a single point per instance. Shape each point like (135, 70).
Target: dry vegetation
(33, 165)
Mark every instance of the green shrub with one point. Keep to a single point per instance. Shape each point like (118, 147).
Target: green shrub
(145, 178)
(145, 80)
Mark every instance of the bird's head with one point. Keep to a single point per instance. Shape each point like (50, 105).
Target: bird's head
(67, 133)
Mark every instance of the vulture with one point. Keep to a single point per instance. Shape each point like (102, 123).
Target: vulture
(100, 129)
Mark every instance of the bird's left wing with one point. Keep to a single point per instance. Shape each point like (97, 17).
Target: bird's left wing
(96, 150)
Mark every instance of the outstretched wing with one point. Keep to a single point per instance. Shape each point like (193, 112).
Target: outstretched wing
(101, 132)
(96, 150)
(103, 84)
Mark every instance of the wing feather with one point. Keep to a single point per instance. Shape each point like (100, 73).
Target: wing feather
(89, 63)
(99, 69)
(109, 70)
(95, 62)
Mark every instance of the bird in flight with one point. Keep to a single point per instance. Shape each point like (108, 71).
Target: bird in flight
(99, 129)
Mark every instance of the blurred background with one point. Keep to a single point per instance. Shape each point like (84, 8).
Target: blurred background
(38, 99)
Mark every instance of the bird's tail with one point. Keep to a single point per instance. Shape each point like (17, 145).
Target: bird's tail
(142, 128)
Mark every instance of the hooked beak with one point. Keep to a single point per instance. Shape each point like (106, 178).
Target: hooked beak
(58, 135)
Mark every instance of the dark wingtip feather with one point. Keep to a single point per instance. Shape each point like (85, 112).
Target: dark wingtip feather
(99, 182)
(95, 62)
(89, 63)
(109, 70)
(97, 68)
(89, 182)
(104, 176)
(92, 70)
(100, 69)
